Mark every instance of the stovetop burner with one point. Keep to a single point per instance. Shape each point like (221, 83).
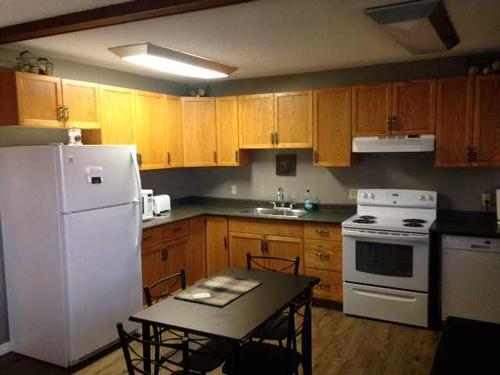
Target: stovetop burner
(415, 221)
(414, 224)
(367, 217)
(364, 221)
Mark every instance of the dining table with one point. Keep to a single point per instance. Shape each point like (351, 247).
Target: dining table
(237, 321)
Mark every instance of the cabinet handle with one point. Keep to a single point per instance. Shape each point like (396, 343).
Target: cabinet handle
(264, 246)
(395, 123)
(164, 255)
(272, 138)
(139, 159)
(66, 113)
(169, 159)
(175, 230)
(277, 138)
(225, 242)
(215, 156)
(322, 233)
(147, 238)
(315, 156)
(324, 286)
(322, 255)
(60, 112)
(236, 156)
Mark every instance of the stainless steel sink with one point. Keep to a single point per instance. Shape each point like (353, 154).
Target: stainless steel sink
(274, 212)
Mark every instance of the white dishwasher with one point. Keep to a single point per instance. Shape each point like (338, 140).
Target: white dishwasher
(470, 278)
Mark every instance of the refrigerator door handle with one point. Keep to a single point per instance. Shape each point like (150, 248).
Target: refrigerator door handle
(137, 201)
(137, 175)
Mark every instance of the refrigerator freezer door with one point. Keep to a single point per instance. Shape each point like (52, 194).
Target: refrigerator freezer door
(97, 176)
(103, 275)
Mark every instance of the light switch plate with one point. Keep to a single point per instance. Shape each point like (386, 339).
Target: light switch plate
(353, 194)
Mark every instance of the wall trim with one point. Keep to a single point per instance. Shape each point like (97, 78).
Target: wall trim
(5, 348)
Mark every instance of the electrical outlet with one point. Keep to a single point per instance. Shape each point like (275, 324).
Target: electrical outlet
(486, 199)
(234, 190)
(353, 194)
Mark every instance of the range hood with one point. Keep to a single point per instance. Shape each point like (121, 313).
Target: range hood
(394, 143)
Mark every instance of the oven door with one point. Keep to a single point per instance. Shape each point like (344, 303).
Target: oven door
(390, 259)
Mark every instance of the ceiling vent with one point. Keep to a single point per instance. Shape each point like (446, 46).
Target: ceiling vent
(421, 26)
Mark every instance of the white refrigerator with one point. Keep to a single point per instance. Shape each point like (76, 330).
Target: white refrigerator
(71, 228)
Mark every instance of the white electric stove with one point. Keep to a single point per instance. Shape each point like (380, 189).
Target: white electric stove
(386, 255)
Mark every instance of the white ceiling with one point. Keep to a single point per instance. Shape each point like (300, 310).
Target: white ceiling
(262, 38)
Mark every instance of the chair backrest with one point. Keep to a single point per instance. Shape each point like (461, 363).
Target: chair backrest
(135, 361)
(273, 263)
(164, 287)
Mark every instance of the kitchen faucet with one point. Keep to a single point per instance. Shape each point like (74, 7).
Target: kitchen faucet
(281, 196)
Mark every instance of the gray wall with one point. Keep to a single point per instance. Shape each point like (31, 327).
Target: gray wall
(459, 188)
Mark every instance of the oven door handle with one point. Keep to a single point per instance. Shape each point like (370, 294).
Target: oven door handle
(385, 236)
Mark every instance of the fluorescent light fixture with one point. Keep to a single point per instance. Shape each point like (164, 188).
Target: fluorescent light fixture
(420, 26)
(171, 61)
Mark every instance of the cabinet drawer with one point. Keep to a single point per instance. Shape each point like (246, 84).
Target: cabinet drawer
(152, 237)
(326, 255)
(330, 286)
(267, 227)
(176, 230)
(323, 232)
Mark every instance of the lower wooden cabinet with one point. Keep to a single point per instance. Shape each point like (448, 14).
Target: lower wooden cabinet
(284, 247)
(196, 254)
(217, 243)
(242, 243)
(330, 285)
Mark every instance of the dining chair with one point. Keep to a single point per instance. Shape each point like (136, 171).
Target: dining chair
(277, 328)
(136, 363)
(204, 354)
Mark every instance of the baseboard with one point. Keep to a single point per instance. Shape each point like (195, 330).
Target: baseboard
(5, 348)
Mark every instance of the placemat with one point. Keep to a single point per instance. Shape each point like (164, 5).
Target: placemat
(222, 290)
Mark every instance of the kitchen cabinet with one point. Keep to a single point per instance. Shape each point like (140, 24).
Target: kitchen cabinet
(242, 243)
(332, 128)
(31, 99)
(486, 135)
(117, 115)
(81, 103)
(293, 119)
(150, 129)
(199, 132)
(217, 244)
(454, 121)
(176, 253)
(228, 152)
(284, 247)
(371, 109)
(256, 121)
(196, 262)
(414, 107)
(173, 128)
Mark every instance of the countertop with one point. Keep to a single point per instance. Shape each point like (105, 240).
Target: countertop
(187, 209)
(464, 223)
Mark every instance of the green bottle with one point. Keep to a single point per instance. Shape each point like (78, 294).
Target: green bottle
(308, 203)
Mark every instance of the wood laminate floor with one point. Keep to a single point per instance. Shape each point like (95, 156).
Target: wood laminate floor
(341, 345)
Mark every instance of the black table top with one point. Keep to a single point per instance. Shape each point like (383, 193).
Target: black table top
(237, 320)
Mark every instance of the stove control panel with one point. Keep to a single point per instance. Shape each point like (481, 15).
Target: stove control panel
(397, 198)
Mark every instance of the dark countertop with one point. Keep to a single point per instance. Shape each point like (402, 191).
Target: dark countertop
(464, 223)
(189, 208)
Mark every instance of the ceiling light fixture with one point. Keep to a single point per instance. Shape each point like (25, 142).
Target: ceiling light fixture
(420, 26)
(171, 61)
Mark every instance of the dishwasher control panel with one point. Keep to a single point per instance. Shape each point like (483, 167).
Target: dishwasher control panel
(471, 243)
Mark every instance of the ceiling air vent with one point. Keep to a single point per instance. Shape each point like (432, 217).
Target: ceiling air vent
(421, 26)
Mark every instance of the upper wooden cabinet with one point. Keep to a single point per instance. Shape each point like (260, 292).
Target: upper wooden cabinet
(173, 128)
(332, 127)
(371, 109)
(397, 108)
(117, 115)
(454, 122)
(293, 119)
(150, 129)
(199, 132)
(486, 141)
(81, 102)
(228, 153)
(256, 121)
(31, 99)
(414, 107)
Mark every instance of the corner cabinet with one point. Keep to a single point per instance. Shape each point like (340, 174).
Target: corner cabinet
(199, 132)
(332, 128)
(150, 129)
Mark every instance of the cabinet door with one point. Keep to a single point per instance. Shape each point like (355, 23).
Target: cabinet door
(242, 243)
(284, 247)
(413, 107)
(117, 115)
(486, 121)
(197, 251)
(199, 132)
(227, 131)
(173, 126)
(293, 117)
(454, 121)
(150, 129)
(330, 286)
(332, 130)
(39, 98)
(153, 268)
(82, 102)
(256, 121)
(371, 109)
(177, 254)
(217, 245)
